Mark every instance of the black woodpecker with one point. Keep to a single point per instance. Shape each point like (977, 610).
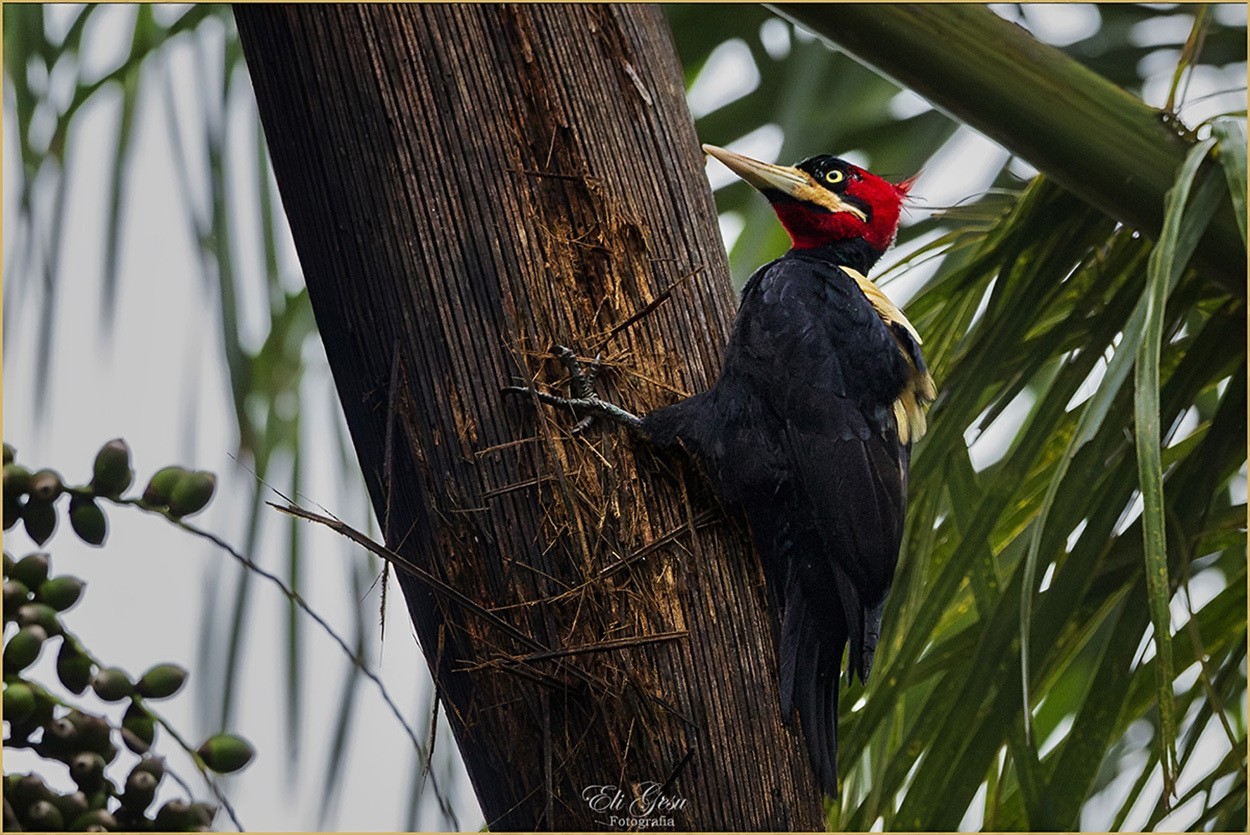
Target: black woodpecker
(808, 430)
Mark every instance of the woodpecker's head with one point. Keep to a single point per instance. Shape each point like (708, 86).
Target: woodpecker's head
(823, 199)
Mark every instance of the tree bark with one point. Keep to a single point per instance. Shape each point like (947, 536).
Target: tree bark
(467, 185)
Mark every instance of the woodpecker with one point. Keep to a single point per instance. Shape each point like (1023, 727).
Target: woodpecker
(808, 429)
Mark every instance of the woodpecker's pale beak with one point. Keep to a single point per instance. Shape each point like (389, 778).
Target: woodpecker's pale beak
(789, 181)
(762, 175)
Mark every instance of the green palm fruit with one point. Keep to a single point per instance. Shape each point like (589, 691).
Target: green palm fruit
(161, 486)
(46, 485)
(61, 739)
(12, 511)
(135, 743)
(112, 473)
(138, 729)
(15, 595)
(87, 771)
(31, 569)
(16, 479)
(161, 682)
(42, 816)
(73, 668)
(203, 814)
(19, 701)
(16, 485)
(139, 792)
(40, 614)
(174, 816)
(153, 765)
(23, 648)
(94, 732)
(28, 789)
(60, 593)
(226, 753)
(192, 493)
(112, 684)
(40, 519)
(87, 520)
(9, 453)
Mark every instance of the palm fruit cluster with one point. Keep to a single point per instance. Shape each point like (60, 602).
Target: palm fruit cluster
(110, 762)
(31, 497)
(97, 804)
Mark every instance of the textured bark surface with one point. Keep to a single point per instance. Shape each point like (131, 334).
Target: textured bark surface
(467, 185)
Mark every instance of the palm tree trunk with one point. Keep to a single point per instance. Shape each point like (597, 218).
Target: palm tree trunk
(467, 185)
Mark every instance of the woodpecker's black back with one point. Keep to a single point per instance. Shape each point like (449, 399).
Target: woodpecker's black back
(802, 432)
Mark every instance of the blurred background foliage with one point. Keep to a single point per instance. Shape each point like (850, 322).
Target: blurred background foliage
(1025, 298)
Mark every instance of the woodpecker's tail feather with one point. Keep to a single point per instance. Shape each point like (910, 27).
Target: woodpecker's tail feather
(872, 634)
(810, 650)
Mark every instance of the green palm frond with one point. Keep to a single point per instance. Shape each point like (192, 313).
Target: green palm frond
(1062, 287)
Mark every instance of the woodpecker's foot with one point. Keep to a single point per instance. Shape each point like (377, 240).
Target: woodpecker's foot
(584, 404)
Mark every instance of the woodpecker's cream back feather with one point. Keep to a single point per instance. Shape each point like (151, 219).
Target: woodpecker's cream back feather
(919, 392)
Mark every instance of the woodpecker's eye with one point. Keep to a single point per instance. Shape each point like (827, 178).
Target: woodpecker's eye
(834, 177)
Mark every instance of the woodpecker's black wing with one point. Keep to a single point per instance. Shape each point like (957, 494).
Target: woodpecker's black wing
(801, 430)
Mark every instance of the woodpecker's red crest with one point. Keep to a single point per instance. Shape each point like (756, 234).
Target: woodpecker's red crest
(824, 199)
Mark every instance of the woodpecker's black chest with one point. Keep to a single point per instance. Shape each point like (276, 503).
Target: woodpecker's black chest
(806, 328)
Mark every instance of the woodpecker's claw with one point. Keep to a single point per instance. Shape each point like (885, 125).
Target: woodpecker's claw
(581, 381)
(585, 404)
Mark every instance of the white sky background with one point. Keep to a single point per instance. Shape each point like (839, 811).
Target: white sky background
(159, 382)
